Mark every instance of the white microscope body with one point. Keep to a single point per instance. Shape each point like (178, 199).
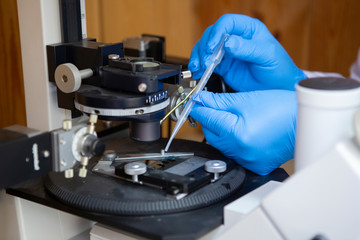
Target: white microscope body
(320, 201)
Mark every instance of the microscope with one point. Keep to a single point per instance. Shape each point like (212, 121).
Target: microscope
(105, 162)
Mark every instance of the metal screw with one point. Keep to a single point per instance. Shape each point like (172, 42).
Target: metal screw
(192, 83)
(139, 111)
(142, 87)
(46, 154)
(84, 163)
(91, 124)
(67, 125)
(109, 155)
(69, 173)
(113, 56)
(216, 167)
(180, 89)
(134, 169)
(186, 74)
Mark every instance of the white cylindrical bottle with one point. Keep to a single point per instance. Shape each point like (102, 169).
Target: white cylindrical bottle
(326, 108)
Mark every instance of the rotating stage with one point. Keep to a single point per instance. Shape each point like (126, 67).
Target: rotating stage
(190, 223)
(104, 194)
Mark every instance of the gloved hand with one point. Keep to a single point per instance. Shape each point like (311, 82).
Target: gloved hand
(256, 129)
(253, 60)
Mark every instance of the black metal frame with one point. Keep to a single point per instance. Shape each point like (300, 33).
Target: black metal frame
(18, 153)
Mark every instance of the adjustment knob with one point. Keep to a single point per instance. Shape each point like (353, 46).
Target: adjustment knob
(68, 77)
(91, 146)
(109, 155)
(134, 169)
(97, 147)
(215, 167)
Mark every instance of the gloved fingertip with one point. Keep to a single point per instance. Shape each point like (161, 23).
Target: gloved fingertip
(197, 99)
(193, 66)
(229, 43)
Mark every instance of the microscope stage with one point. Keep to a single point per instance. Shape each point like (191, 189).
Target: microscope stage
(180, 221)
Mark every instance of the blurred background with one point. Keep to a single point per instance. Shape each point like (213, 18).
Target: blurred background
(321, 35)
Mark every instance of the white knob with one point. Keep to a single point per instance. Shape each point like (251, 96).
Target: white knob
(134, 169)
(215, 167)
(68, 77)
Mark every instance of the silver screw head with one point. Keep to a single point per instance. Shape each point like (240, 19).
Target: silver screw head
(113, 56)
(109, 155)
(186, 74)
(142, 87)
(135, 168)
(180, 89)
(215, 166)
(46, 154)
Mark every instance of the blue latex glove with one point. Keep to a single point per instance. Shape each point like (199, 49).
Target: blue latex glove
(254, 59)
(256, 129)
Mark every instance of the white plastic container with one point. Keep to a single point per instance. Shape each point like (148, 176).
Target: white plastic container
(326, 108)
